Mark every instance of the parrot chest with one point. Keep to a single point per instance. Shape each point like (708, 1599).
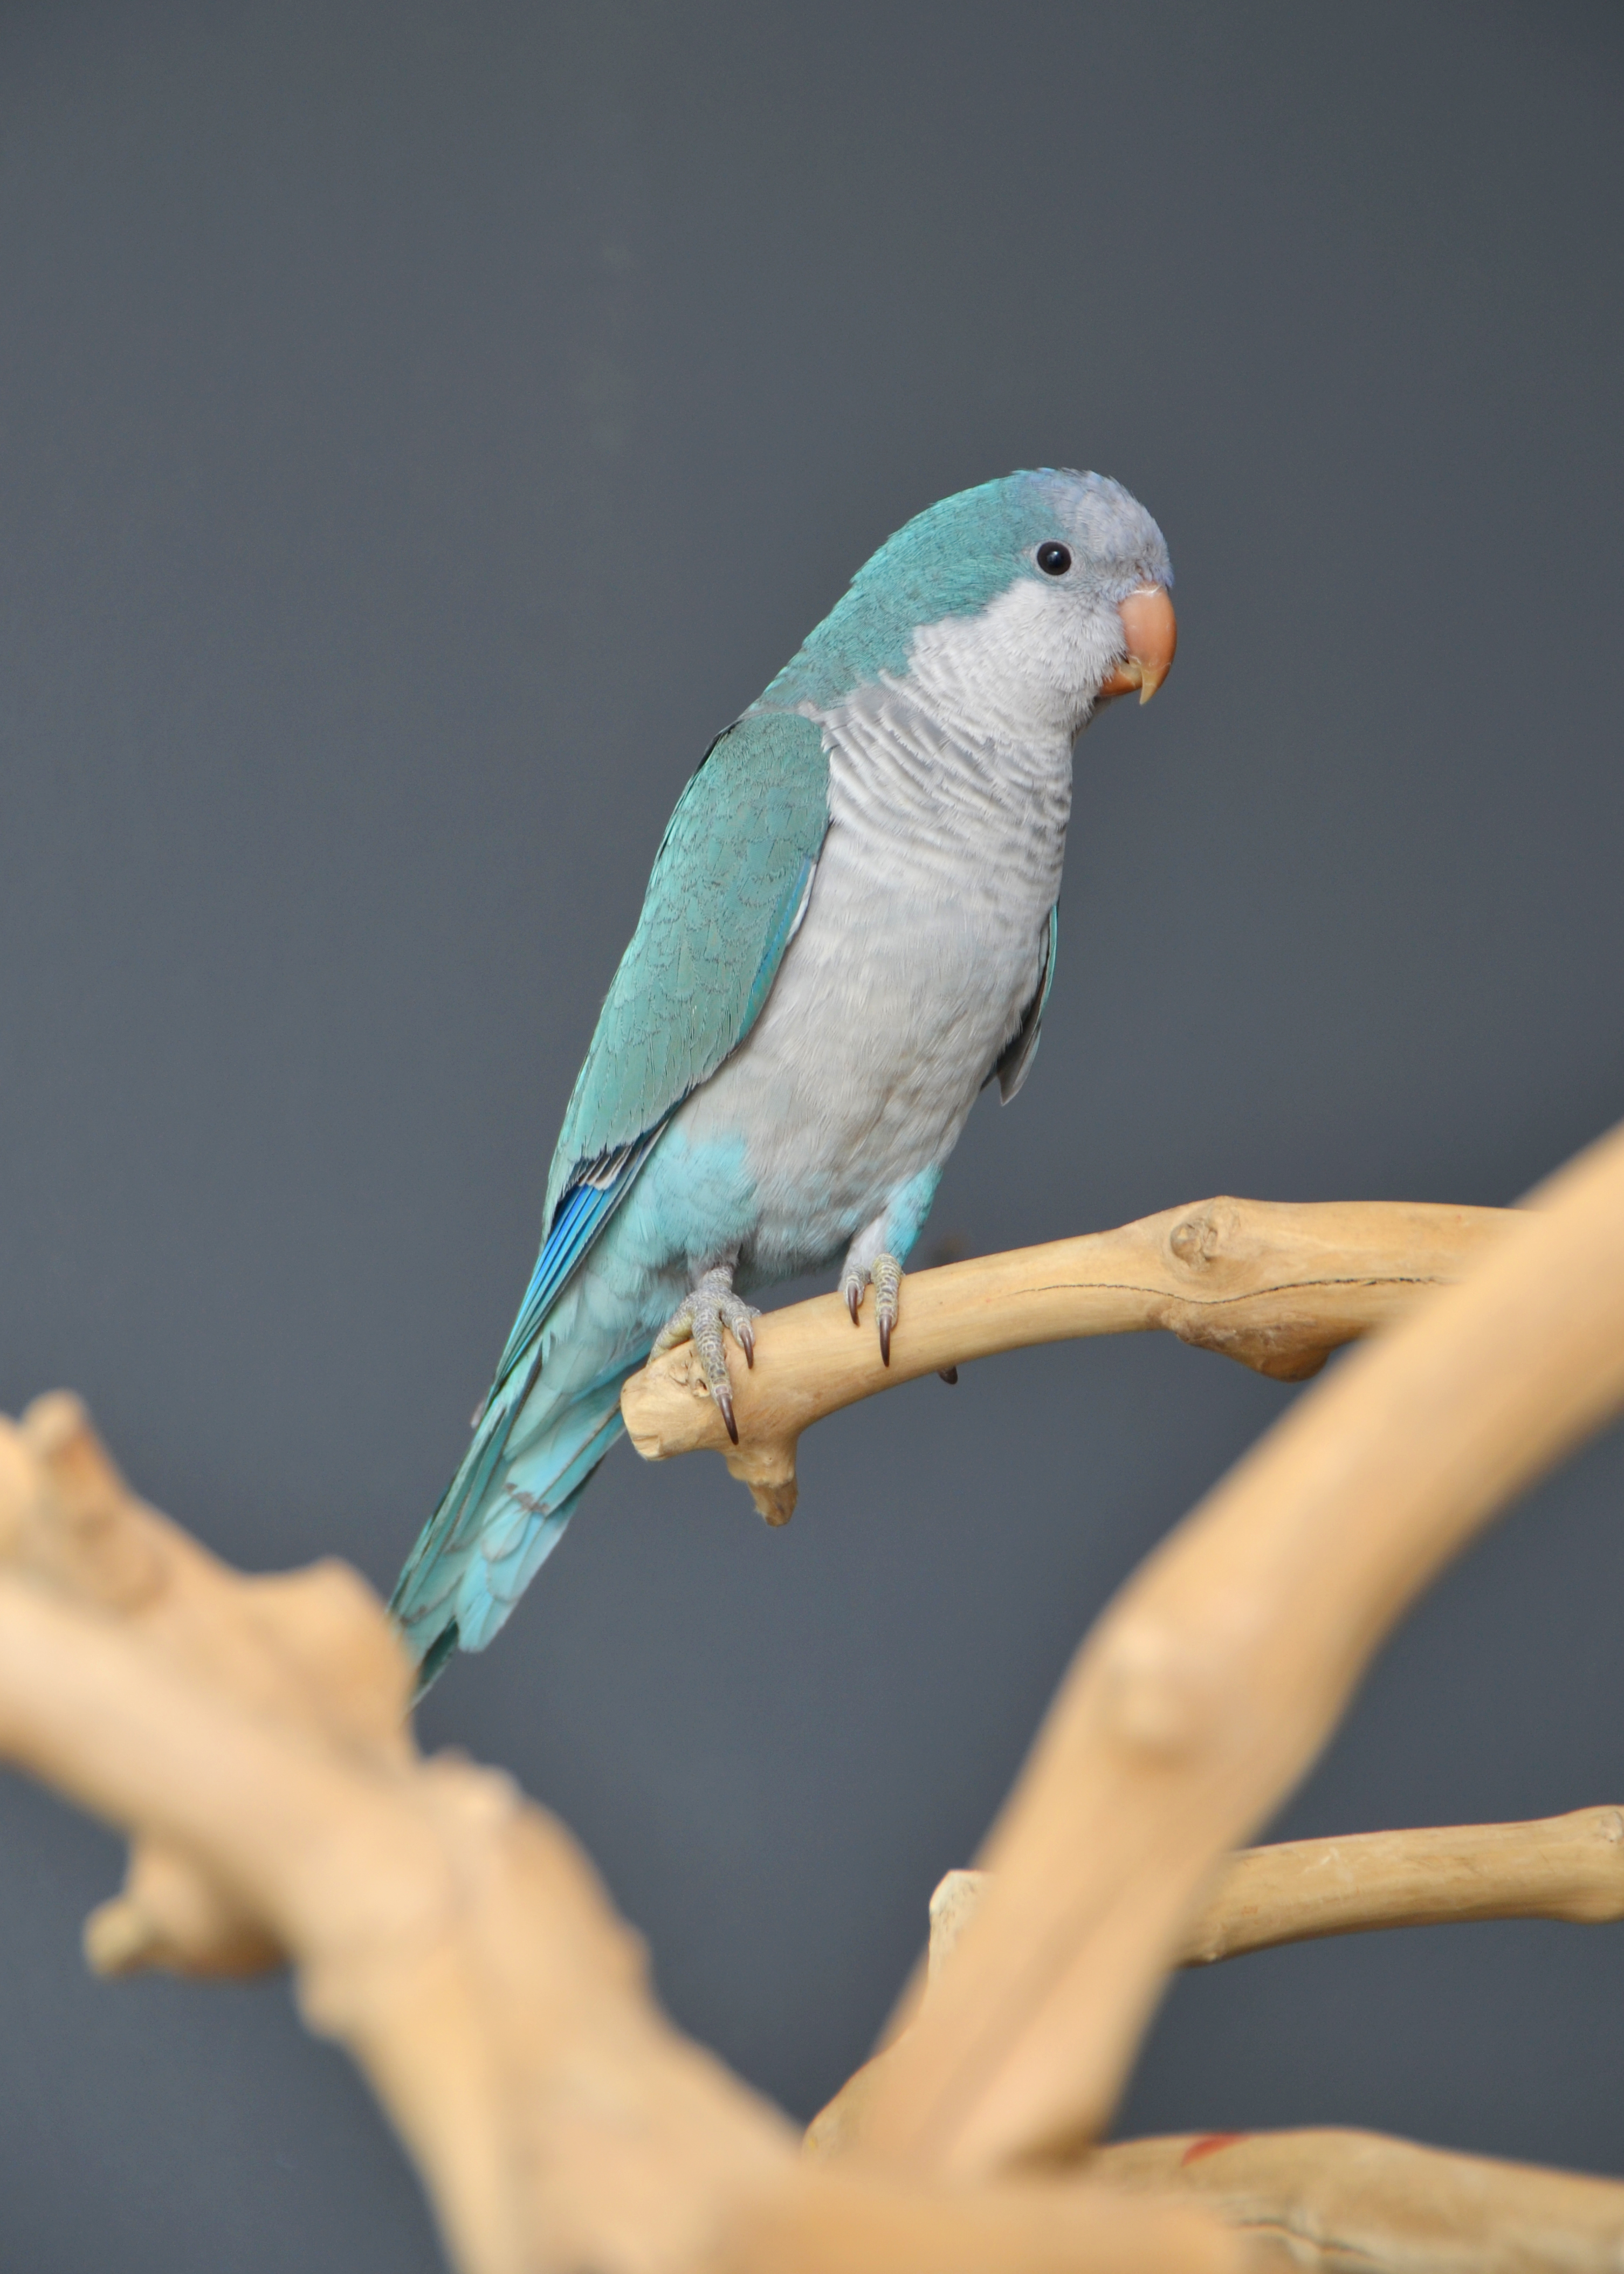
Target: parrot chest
(920, 949)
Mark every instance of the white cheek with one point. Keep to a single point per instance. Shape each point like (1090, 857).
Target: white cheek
(1033, 653)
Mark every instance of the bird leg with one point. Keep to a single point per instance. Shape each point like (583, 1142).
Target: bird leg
(710, 1307)
(884, 1276)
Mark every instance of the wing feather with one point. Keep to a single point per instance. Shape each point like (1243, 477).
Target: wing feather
(1015, 1062)
(729, 887)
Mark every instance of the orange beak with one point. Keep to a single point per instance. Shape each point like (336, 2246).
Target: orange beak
(1150, 631)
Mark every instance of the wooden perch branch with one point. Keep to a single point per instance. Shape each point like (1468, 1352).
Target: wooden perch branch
(250, 1736)
(1277, 1286)
(1214, 1679)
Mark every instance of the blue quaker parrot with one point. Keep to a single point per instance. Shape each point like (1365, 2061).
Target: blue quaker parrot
(850, 928)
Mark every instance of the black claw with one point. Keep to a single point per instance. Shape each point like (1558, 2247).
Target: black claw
(724, 1402)
(949, 1374)
(853, 1299)
(885, 1340)
(747, 1343)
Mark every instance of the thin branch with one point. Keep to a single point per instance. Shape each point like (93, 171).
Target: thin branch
(1559, 1867)
(1277, 1286)
(1556, 1867)
(1213, 1681)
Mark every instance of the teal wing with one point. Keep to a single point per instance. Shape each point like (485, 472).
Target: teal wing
(730, 882)
(730, 885)
(1015, 1062)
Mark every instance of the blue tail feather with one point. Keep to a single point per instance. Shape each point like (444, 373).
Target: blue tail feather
(504, 1512)
(535, 1442)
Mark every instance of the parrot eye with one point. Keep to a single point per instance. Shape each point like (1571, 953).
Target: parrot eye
(1054, 560)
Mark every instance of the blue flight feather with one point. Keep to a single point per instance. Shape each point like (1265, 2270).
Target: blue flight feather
(579, 1217)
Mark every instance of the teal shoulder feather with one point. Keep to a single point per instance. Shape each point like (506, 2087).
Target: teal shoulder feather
(729, 885)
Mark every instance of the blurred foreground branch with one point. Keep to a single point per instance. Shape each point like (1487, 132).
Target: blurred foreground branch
(250, 1736)
(1277, 1286)
(1349, 2202)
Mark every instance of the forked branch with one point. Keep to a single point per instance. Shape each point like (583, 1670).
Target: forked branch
(1560, 1867)
(250, 1736)
(1212, 1681)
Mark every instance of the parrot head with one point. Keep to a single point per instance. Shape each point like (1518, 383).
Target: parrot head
(1047, 590)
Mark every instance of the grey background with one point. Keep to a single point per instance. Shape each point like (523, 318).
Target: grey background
(421, 427)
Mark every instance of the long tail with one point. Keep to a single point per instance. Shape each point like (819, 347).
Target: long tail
(503, 1514)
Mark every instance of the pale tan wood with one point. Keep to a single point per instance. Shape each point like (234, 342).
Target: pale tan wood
(871, 2223)
(250, 1736)
(1276, 1284)
(1357, 2202)
(1557, 1867)
(1214, 1679)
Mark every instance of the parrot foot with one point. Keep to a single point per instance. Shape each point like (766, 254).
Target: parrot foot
(708, 1309)
(884, 1276)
